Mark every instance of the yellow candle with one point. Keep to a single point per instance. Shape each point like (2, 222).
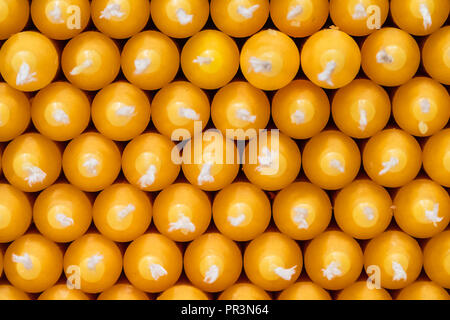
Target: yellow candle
(423, 290)
(360, 291)
(183, 292)
(420, 17)
(436, 157)
(150, 60)
(96, 260)
(90, 61)
(15, 213)
(213, 262)
(182, 212)
(153, 263)
(299, 18)
(210, 59)
(121, 111)
(120, 19)
(8, 292)
(31, 162)
(210, 161)
(241, 211)
(304, 290)
(333, 260)
(390, 57)
(422, 208)
(122, 212)
(363, 209)
(60, 111)
(436, 55)
(361, 108)
(244, 291)
(14, 112)
(28, 61)
(123, 291)
(437, 260)
(33, 263)
(395, 258)
(14, 16)
(91, 162)
(273, 261)
(276, 163)
(61, 19)
(331, 58)
(392, 158)
(302, 211)
(331, 160)
(179, 18)
(239, 18)
(62, 292)
(359, 17)
(147, 163)
(62, 213)
(239, 105)
(180, 105)
(301, 109)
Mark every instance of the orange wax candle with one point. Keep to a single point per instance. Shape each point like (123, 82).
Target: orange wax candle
(150, 60)
(420, 17)
(179, 18)
(62, 292)
(15, 213)
(244, 291)
(423, 290)
(274, 163)
(421, 106)
(299, 18)
(122, 212)
(14, 112)
(241, 211)
(331, 160)
(390, 57)
(360, 291)
(183, 292)
(436, 55)
(180, 105)
(28, 61)
(333, 260)
(392, 158)
(153, 263)
(90, 61)
(270, 60)
(213, 262)
(62, 213)
(239, 105)
(437, 260)
(398, 257)
(121, 111)
(33, 263)
(182, 212)
(14, 16)
(120, 19)
(91, 162)
(359, 17)
(273, 261)
(96, 260)
(304, 290)
(239, 18)
(331, 58)
(422, 208)
(147, 163)
(363, 209)
(61, 20)
(436, 157)
(31, 162)
(60, 111)
(302, 211)
(123, 291)
(361, 109)
(301, 109)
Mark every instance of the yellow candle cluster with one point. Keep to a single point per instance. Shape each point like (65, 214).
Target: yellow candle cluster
(112, 186)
